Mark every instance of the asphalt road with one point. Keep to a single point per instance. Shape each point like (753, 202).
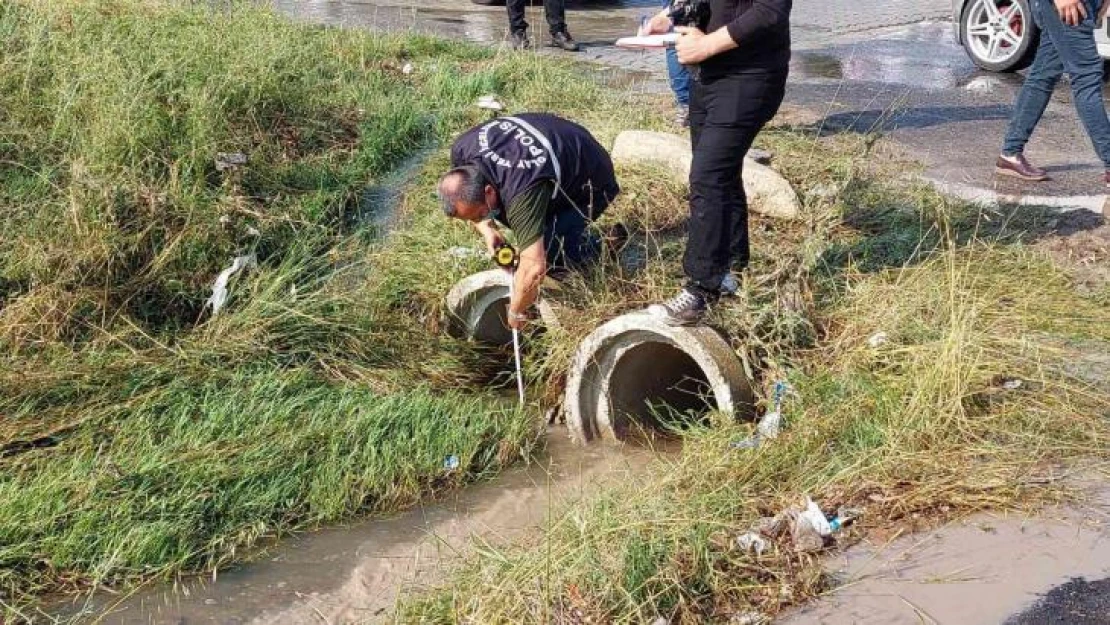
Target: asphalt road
(888, 66)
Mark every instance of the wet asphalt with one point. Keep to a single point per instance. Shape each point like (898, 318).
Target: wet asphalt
(1079, 602)
(866, 66)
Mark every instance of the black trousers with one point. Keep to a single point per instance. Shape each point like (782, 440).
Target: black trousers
(726, 113)
(555, 10)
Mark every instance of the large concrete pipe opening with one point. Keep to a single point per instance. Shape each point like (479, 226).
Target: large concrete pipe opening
(636, 373)
(477, 308)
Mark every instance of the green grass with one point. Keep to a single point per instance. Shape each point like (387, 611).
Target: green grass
(141, 437)
(915, 432)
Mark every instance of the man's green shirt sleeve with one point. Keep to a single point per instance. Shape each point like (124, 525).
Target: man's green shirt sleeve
(528, 213)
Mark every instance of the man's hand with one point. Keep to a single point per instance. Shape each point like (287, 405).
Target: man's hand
(1103, 10)
(516, 321)
(526, 283)
(657, 25)
(1072, 12)
(490, 235)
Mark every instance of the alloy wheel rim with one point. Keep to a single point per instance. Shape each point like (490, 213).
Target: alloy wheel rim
(995, 30)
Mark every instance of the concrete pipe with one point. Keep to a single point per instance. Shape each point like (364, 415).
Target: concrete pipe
(634, 363)
(477, 307)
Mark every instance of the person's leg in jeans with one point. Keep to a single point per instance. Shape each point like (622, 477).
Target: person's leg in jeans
(679, 78)
(568, 241)
(1063, 48)
(1035, 93)
(1079, 54)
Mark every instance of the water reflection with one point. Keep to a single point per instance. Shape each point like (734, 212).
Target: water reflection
(922, 55)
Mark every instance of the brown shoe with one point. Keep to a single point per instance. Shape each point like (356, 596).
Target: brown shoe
(1020, 167)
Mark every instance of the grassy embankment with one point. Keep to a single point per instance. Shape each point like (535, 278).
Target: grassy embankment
(922, 428)
(141, 437)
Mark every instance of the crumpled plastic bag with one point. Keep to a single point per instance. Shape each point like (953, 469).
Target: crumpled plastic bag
(753, 542)
(219, 287)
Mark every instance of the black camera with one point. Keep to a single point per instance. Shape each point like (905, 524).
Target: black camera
(692, 13)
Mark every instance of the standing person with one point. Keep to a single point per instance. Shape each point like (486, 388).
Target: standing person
(743, 61)
(554, 10)
(544, 177)
(1067, 45)
(678, 77)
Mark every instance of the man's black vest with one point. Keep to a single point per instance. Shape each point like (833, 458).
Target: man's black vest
(516, 152)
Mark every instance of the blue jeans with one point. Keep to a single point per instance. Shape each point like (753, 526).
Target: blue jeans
(677, 73)
(568, 242)
(1063, 48)
(679, 77)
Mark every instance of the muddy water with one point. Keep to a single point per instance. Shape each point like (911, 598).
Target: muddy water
(354, 574)
(985, 569)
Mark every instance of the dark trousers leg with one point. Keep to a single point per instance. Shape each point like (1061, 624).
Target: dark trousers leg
(725, 117)
(556, 13)
(516, 15)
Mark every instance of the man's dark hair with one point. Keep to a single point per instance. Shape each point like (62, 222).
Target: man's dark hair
(471, 188)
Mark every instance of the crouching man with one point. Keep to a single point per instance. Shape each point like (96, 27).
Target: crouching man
(541, 176)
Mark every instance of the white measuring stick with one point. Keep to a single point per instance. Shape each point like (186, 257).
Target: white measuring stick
(516, 347)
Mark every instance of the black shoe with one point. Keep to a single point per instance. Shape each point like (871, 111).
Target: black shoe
(685, 309)
(565, 41)
(519, 40)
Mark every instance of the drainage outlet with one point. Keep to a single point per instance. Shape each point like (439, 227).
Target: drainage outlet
(637, 372)
(477, 308)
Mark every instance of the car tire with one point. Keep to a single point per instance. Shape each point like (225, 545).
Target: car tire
(489, 3)
(1007, 57)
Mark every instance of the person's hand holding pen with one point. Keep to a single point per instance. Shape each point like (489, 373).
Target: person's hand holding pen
(659, 24)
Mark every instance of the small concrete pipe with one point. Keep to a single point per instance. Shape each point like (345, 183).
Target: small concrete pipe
(634, 361)
(477, 308)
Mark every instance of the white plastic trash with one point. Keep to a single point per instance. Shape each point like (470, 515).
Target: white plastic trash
(877, 340)
(219, 287)
(752, 542)
(490, 102)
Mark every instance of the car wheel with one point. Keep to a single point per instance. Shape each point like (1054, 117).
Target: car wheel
(488, 3)
(999, 35)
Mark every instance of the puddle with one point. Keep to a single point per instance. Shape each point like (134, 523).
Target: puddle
(985, 569)
(460, 19)
(354, 574)
(924, 55)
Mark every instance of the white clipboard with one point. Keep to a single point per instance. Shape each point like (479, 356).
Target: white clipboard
(648, 42)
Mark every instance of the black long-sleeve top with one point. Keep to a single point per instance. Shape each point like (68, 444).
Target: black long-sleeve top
(761, 29)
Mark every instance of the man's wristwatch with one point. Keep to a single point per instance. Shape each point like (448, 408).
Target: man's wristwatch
(518, 316)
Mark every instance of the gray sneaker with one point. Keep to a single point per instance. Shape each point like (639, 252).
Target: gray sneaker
(685, 309)
(682, 116)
